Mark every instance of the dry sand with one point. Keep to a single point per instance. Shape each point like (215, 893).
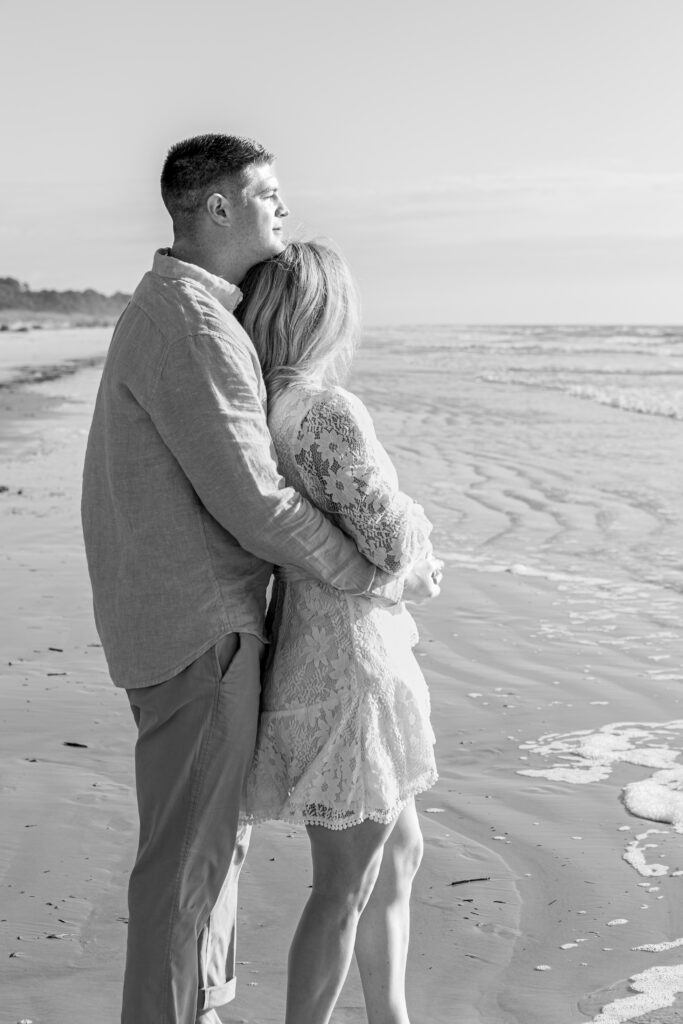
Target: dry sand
(515, 867)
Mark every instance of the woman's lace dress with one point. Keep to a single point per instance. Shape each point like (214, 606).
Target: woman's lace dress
(344, 731)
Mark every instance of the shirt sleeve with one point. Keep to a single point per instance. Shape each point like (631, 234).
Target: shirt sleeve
(349, 475)
(208, 409)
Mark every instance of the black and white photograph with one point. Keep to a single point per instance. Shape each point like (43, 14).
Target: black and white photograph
(341, 587)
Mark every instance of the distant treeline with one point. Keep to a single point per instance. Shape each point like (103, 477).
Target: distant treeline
(16, 295)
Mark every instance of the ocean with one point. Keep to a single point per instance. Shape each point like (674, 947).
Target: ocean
(560, 445)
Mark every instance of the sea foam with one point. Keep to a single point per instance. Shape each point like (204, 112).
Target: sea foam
(587, 756)
(590, 755)
(658, 798)
(655, 988)
(650, 401)
(634, 854)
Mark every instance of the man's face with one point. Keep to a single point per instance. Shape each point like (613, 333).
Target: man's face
(257, 212)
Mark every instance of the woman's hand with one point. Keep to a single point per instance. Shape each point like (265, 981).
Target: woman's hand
(423, 581)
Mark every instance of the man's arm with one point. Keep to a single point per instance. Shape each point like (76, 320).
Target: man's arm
(207, 408)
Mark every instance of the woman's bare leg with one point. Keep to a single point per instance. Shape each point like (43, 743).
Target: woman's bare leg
(345, 866)
(384, 928)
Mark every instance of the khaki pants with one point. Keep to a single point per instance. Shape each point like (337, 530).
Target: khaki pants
(196, 735)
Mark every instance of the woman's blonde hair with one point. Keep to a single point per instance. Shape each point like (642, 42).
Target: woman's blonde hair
(301, 311)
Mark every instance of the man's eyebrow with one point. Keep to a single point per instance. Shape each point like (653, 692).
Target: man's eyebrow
(271, 186)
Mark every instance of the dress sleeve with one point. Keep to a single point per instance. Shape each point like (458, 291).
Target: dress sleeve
(349, 476)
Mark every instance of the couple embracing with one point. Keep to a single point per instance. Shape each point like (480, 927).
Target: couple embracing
(224, 450)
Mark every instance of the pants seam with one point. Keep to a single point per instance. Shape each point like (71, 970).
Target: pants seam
(199, 778)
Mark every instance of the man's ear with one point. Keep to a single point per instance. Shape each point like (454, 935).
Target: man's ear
(218, 209)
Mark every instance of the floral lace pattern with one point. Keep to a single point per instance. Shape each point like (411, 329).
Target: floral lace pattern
(344, 731)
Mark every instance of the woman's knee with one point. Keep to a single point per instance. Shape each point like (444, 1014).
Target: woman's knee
(346, 863)
(413, 853)
(405, 849)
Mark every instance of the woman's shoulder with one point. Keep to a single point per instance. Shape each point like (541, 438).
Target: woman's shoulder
(335, 405)
(315, 407)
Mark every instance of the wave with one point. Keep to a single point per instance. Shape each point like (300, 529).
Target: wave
(650, 401)
(480, 563)
(530, 339)
(647, 401)
(584, 347)
(20, 375)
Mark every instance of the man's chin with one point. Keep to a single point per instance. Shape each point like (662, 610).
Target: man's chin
(273, 248)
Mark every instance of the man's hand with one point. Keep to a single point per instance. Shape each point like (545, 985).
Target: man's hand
(422, 582)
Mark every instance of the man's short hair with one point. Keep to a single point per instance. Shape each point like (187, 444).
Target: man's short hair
(196, 167)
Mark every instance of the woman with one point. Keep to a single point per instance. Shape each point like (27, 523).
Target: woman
(344, 738)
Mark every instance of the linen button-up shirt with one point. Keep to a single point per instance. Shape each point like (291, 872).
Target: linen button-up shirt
(184, 511)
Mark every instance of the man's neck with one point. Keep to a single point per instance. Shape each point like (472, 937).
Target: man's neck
(220, 264)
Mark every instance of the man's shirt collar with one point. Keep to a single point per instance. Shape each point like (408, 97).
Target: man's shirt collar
(166, 265)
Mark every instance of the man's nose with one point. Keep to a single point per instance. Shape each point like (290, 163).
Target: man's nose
(282, 210)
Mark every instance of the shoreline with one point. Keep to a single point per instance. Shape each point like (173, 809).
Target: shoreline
(32, 357)
(19, 321)
(49, 371)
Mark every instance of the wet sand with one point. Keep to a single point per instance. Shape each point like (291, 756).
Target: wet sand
(520, 872)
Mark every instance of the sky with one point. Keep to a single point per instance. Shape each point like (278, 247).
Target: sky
(476, 161)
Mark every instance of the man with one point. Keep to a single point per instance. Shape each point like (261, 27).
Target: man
(184, 514)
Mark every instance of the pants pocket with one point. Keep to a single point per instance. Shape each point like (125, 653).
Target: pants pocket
(225, 651)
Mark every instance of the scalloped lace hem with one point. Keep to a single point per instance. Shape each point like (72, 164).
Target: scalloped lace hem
(298, 816)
